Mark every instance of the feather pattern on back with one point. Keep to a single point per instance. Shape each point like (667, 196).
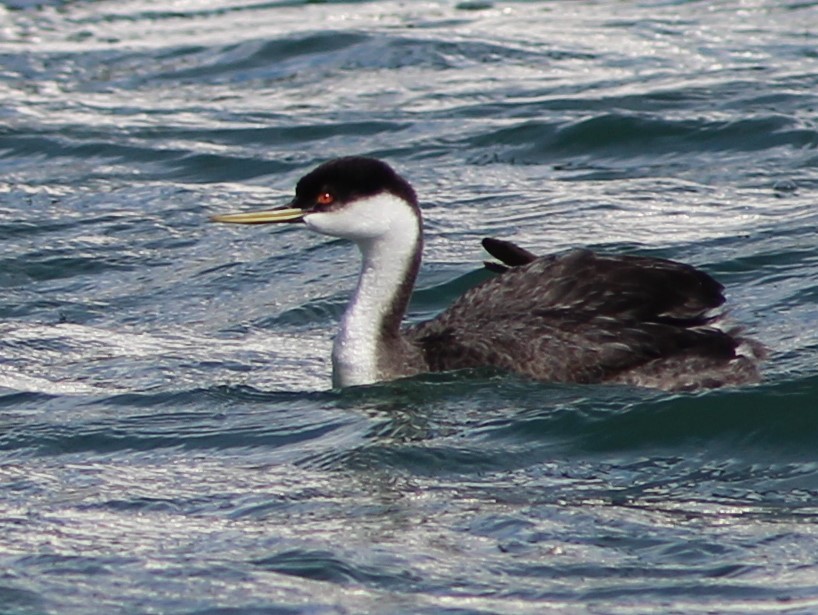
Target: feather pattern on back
(585, 317)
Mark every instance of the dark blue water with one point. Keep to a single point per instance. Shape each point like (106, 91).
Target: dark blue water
(169, 442)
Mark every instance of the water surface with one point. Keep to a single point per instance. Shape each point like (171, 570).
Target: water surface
(169, 441)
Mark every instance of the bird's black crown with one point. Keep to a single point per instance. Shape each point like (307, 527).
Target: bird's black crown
(349, 178)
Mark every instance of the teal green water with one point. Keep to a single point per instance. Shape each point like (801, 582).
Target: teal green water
(169, 442)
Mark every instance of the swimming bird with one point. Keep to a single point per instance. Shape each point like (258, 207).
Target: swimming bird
(572, 317)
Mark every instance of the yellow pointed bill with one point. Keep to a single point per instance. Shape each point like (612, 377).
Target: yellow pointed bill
(269, 216)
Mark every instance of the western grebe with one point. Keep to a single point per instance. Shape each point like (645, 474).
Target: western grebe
(575, 316)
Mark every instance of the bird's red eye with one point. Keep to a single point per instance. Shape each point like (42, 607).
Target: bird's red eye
(325, 198)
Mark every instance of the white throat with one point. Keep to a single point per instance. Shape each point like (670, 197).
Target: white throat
(387, 232)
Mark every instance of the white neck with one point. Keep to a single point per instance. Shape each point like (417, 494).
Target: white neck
(388, 241)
